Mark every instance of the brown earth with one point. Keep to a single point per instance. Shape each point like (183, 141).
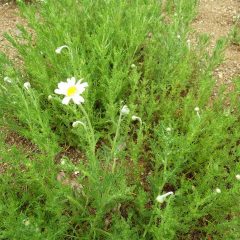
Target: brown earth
(217, 18)
(9, 18)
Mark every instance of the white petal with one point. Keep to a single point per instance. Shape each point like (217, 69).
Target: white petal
(60, 91)
(81, 87)
(66, 100)
(63, 85)
(84, 85)
(78, 99)
(71, 81)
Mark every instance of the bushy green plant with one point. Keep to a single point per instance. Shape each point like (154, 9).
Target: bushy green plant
(181, 140)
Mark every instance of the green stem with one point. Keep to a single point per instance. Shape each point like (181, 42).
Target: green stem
(92, 141)
(147, 228)
(114, 143)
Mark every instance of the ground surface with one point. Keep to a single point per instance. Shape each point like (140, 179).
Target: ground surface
(9, 18)
(215, 17)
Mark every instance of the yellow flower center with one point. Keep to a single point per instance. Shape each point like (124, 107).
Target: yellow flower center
(71, 91)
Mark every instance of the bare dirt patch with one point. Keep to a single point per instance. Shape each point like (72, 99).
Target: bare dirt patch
(216, 18)
(9, 18)
(14, 139)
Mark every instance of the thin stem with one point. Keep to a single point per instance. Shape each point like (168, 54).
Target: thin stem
(198, 115)
(114, 142)
(147, 228)
(71, 57)
(93, 141)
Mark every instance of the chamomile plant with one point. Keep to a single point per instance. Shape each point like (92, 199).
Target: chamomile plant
(138, 149)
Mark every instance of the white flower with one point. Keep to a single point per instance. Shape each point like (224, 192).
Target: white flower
(76, 172)
(218, 190)
(125, 110)
(63, 161)
(50, 97)
(7, 79)
(196, 109)
(77, 123)
(133, 65)
(136, 118)
(238, 176)
(27, 85)
(162, 198)
(72, 90)
(178, 36)
(168, 129)
(59, 49)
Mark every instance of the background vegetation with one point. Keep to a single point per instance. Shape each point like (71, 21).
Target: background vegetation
(139, 53)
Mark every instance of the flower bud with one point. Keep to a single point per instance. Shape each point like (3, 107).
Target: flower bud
(125, 110)
(59, 49)
(27, 85)
(77, 123)
(162, 198)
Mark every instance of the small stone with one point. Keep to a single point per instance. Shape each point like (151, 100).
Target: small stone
(220, 75)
